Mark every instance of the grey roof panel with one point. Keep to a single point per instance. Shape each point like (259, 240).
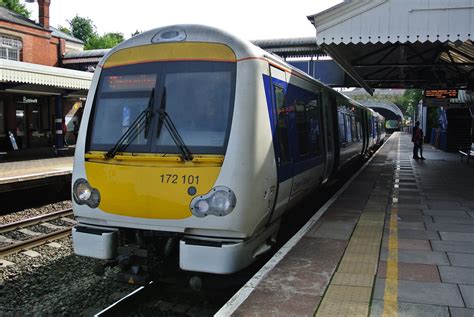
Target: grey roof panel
(67, 37)
(13, 17)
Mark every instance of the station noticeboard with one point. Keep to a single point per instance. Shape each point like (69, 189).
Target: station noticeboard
(439, 97)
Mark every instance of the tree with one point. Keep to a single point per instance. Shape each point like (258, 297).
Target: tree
(82, 28)
(16, 6)
(64, 29)
(408, 102)
(107, 40)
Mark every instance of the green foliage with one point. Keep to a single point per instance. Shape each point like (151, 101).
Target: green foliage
(64, 29)
(85, 30)
(408, 102)
(82, 28)
(16, 6)
(107, 40)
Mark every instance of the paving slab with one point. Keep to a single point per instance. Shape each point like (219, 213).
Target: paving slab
(410, 310)
(467, 292)
(412, 272)
(465, 219)
(418, 256)
(333, 230)
(418, 234)
(456, 236)
(461, 312)
(453, 213)
(461, 259)
(408, 225)
(442, 294)
(454, 274)
(410, 244)
(453, 246)
(267, 303)
(450, 227)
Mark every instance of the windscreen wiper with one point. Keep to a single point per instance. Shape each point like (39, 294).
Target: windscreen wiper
(132, 132)
(168, 123)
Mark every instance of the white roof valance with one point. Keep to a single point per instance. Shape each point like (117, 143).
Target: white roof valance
(391, 21)
(27, 73)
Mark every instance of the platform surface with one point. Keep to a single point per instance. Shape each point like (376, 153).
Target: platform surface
(12, 172)
(398, 240)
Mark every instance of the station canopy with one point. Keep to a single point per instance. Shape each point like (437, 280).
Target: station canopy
(24, 77)
(400, 44)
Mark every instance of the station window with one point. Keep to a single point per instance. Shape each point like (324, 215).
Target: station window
(10, 48)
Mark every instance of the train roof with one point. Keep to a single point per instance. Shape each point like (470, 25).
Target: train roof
(243, 49)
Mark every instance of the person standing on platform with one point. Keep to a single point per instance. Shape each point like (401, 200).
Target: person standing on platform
(417, 139)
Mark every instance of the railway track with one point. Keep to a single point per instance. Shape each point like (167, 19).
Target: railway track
(32, 238)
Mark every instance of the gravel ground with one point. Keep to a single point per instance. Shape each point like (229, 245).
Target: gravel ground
(56, 283)
(32, 212)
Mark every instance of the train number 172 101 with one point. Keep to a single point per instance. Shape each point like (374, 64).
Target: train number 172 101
(176, 179)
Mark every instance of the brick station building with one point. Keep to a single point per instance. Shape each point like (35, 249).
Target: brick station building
(37, 95)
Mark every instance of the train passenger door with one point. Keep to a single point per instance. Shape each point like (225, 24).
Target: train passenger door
(329, 134)
(284, 164)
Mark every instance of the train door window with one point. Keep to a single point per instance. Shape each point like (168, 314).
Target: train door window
(348, 128)
(313, 114)
(2, 119)
(341, 121)
(354, 129)
(282, 125)
(301, 129)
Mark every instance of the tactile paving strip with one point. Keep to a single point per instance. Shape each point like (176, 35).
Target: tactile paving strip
(350, 289)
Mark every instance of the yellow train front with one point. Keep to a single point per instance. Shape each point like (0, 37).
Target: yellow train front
(157, 171)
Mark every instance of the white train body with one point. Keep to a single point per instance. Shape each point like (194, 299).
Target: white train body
(223, 200)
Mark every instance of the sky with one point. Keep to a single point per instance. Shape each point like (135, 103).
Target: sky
(248, 19)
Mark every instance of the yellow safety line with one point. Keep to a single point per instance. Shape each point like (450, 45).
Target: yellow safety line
(390, 305)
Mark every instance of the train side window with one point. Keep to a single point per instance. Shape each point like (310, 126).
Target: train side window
(282, 125)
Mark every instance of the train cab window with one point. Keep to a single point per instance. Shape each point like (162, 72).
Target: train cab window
(121, 100)
(201, 115)
(282, 125)
(198, 97)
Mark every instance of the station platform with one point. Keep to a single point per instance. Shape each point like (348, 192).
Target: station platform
(396, 240)
(30, 173)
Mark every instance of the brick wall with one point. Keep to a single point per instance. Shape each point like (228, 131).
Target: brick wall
(39, 47)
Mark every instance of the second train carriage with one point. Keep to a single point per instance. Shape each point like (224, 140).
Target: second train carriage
(195, 141)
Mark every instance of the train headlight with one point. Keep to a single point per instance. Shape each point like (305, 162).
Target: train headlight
(220, 201)
(85, 194)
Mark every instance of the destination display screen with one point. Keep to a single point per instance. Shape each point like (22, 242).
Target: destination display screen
(129, 83)
(441, 93)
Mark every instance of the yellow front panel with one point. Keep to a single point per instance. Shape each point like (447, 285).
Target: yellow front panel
(149, 190)
(171, 52)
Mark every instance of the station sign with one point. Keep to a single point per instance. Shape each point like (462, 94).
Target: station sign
(441, 93)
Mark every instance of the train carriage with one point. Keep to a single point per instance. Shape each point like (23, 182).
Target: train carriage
(196, 142)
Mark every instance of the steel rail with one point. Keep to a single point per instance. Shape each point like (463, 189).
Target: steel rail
(35, 220)
(34, 242)
(127, 303)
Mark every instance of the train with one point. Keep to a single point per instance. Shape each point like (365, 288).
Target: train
(193, 145)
